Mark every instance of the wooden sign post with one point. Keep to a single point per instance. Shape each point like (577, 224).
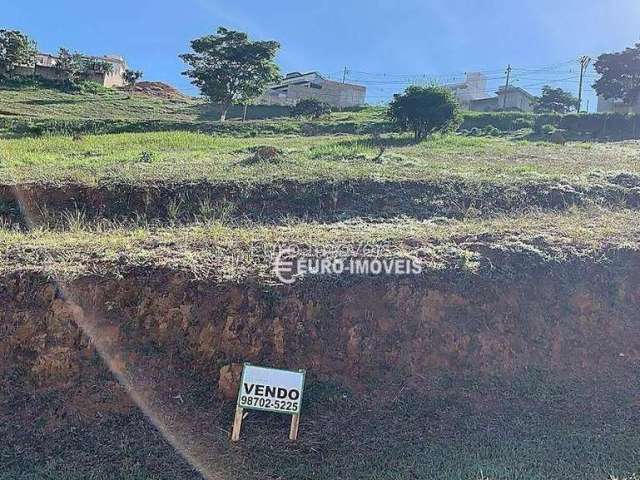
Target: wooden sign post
(269, 390)
(237, 424)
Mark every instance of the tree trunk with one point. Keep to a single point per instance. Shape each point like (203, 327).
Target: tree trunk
(223, 113)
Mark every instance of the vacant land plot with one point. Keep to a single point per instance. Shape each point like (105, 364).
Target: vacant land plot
(181, 156)
(133, 266)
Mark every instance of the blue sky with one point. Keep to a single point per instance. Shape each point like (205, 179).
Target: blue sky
(385, 44)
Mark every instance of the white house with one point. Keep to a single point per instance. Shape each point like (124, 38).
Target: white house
(472, 95)
(297, 86)
(513, 98)
(474, 87)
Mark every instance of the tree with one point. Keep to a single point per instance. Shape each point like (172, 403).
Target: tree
(69, 66)
(310, 107)
(16, 48)
(228, 67)
(425, 110)
(554, 100)
(130, 77)
(619, 75)
(89, 66)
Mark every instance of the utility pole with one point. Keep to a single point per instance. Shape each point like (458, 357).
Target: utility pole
(584, 63)
(506, 87)
(344, 74)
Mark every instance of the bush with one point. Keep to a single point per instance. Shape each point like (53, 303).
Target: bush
(20, 126)
(521, 123)
(491, 131)
(425, 110)
(548, 129)
(311, 108)
(89, 86)
(547, 119)
(503, 121)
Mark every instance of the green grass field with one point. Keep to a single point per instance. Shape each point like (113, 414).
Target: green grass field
(36, 101)
(183, 156)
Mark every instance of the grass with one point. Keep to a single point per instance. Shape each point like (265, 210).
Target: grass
(183, 156)
(217, 251)
(39, 101)
(482, 428)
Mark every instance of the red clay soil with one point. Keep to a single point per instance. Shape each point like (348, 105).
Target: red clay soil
(573, 318)
(157, 89)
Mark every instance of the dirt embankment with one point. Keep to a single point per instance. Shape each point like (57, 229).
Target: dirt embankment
(324, 201)
(571, 318)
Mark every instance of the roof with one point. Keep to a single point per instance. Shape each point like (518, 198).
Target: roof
(48, 59)
(513, 89)
(295, 77)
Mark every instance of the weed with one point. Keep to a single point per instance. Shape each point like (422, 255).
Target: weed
(145, 157)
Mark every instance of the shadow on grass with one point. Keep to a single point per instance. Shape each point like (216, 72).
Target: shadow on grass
(530, 426)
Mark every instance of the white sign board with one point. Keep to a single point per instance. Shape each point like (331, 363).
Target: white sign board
(271, 390)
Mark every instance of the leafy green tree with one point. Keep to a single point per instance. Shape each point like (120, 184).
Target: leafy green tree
(16, 48)
(619, 75)
(69, 66)
(228, 67)
(554, 100)
(310, 107)
(130, 77)
(425, 110)
(90, 66)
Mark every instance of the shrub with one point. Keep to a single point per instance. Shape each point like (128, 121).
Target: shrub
(491, 131)
(548, 119)
(89, 86)
(130, 77)
(548, 129)
(145, 156)
(520, 123)
(504, 121)
(311, 108)
(425, 110)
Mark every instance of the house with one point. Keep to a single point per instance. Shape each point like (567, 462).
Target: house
(297, 86)
(44, 67)
(513, 98)
(474, 87)
(612, 105)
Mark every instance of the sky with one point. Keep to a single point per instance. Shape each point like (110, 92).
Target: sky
(384, 44)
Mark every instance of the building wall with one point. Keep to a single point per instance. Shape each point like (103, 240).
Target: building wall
(473, 88)
(484, 105)
(49, 73)
(514, 100)
(616, 106)
(335, 94)
(44, 68)
(114, 79)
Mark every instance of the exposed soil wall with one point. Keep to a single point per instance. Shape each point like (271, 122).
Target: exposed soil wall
(573, 318)
(315, 200)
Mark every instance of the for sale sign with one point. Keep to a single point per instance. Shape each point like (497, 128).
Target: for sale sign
(271, 389)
